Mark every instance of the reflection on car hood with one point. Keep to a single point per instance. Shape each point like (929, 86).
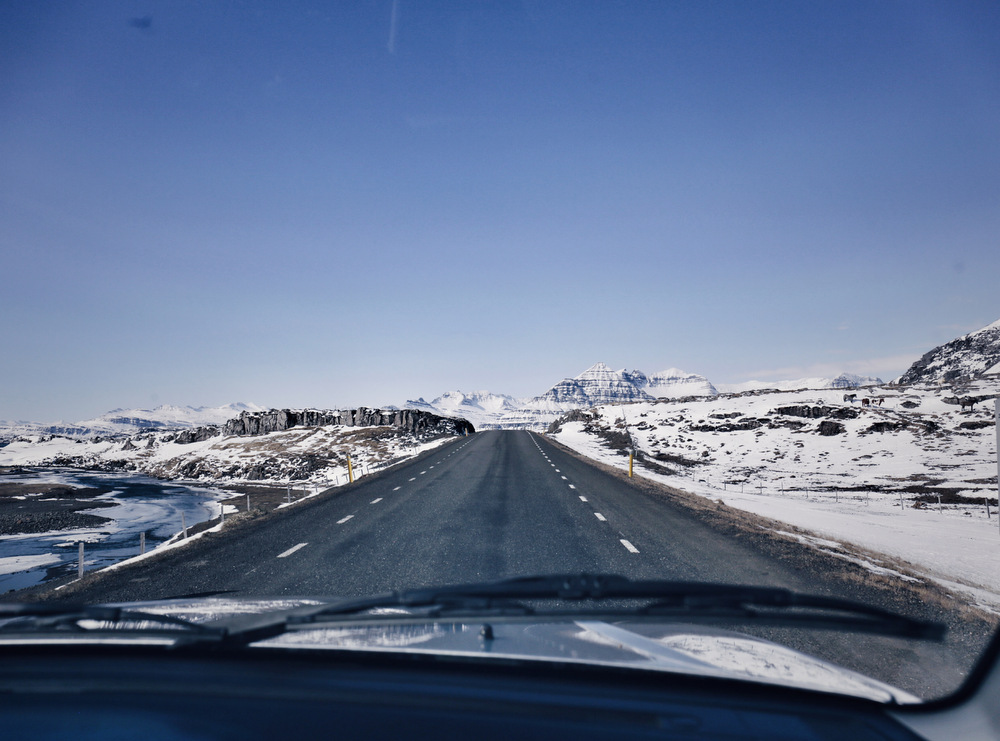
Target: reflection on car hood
(655, 646)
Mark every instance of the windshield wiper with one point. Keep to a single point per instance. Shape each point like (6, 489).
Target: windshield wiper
(55, 616)
(773, 606)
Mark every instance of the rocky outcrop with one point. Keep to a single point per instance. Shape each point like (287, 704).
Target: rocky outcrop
(963, 359)
(412, 420)
(817, 412)
(828, 428)
(197, 435)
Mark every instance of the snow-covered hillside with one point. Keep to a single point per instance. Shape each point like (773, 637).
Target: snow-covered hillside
(964, 358)
(871, 474)
(282, 446)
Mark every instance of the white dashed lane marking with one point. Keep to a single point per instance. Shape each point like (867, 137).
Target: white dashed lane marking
(571, 486)
(583, 499)
(342, 520)
(414, 478)
(376, 501)
(631, 548)
(292, 550)
(397, 488)
(600, 517)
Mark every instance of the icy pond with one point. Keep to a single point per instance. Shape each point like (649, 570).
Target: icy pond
(141, 504)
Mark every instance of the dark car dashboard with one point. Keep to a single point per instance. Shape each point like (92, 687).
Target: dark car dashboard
(111, 692)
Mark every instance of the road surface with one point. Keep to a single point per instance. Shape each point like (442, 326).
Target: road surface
(510, 503)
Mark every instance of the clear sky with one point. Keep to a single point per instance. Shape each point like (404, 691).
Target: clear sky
(339, 203)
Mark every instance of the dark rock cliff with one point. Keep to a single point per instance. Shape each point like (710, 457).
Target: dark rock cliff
(412, 420)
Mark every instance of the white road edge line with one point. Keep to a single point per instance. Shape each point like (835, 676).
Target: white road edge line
(292, 550)
(631, 548)
(342, 520)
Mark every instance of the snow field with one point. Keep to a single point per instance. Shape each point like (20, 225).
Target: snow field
(846, 487)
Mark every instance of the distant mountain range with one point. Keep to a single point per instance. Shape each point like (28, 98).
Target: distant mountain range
(598, 385)
(843, 381)
(130, 421)
(966, 358)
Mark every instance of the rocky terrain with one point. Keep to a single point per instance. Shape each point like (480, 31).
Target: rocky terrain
(963, 359)
(278, 445)
(42, 507)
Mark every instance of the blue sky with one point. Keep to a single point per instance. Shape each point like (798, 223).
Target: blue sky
(324, 204)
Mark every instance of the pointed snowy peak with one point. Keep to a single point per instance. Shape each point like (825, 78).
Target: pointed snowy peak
(965, 358)
(597, 370)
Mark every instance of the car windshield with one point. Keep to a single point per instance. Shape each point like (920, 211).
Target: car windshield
(306, 302)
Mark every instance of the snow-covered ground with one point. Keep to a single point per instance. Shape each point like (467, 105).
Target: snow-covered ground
(309, 458)
(873, 480)
(310, 455)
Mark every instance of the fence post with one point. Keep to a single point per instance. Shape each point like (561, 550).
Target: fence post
(248, 502)
(184, 527)
(79, 568)
(142, 542)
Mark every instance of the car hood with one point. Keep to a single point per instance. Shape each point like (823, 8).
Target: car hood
(664, 646)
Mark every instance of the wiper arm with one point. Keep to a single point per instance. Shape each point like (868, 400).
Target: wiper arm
(773, 606)
(44, 617)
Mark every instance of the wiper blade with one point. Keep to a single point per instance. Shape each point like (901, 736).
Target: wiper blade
(696, 601)
(70, 617)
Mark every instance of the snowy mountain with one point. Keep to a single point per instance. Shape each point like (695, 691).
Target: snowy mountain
(843, 381)
(596, 385)
(130, 421)
(963, 359)
(599, 384)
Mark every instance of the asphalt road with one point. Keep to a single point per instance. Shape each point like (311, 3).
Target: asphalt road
(502, 504)
(494, 505)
